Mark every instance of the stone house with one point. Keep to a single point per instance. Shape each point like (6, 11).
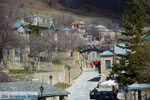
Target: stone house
(107, 60)
(138, 92)
(107, 34)
(80, 25)
(16, 57)
(45, 26)
(13, 56)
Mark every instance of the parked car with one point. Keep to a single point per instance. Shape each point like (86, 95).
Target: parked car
(103, 95)
(106, 95)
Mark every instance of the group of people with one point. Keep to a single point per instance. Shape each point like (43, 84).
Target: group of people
(95, 64)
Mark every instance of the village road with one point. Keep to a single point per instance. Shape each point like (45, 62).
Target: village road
(83, 84)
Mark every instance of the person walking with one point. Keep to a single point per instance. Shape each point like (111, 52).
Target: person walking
(96, 63)
(92, 64)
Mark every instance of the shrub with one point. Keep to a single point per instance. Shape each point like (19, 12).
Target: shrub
(18, 71)
(62, 85)
(22, 71)
(67, 66)
(58, 63)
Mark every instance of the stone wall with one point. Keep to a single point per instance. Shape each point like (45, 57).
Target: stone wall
(105, 71)
(57, 77)
(74, 71)
(60, 73)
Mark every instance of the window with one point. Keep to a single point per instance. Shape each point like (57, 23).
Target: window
(17, 54)
(107, 62)
(6, 53)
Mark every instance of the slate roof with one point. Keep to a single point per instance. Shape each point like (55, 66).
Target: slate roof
(26, 23)
(119, 50)
(18, 25)
(138, 86)
(90, 48)
(91, 25)
(49, 90)
(67, 29)
(47, 25)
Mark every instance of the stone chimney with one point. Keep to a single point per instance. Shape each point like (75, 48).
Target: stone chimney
(51, 21)
(35, 20)
(22, 20)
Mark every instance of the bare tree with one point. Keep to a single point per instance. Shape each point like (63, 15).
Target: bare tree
(37, 46)
(69, 41)
(97, 34)
(9, 14)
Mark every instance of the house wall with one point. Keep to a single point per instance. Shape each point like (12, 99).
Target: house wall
(93, 56)
(105, 71)
(145, 93)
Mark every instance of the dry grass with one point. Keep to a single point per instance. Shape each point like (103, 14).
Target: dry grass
(85, 10)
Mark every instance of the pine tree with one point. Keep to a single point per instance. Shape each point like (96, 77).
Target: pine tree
(138, 57)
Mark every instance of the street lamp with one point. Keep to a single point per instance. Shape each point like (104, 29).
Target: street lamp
(69, 73)
(50, 77)
(41, 90)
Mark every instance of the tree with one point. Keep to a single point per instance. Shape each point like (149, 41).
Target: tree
(136, 61)
(69, 42)
(39, 49)
(8, 39)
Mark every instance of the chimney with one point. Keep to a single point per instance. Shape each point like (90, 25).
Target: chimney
(35, 20)
(22, 21)
(51, 21)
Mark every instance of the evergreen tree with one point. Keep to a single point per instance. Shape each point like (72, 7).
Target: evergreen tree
(34, 29)
(138, 57)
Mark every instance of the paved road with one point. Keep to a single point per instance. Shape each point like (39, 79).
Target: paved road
(83, 84)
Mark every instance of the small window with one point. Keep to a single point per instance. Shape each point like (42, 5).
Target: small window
(71, 54)
(6, 52)
(17, 55)
(107, 62)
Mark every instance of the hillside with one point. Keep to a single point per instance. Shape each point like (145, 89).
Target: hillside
(86, 12)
